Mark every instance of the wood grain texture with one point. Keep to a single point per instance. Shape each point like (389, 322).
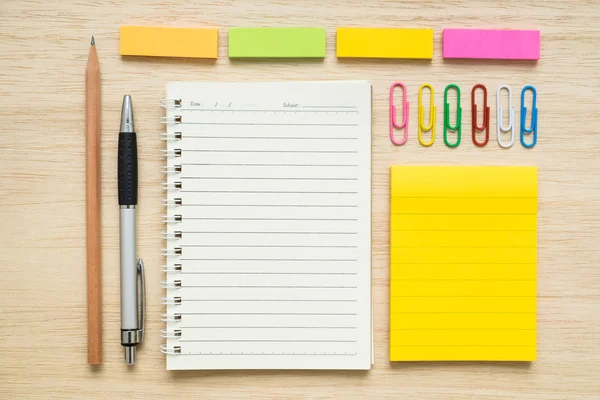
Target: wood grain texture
(92, 203)
(43, 53)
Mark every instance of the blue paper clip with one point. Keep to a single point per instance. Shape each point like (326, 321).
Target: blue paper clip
(534, 116)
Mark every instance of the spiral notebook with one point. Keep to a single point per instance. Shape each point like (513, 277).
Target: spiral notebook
(268, 255)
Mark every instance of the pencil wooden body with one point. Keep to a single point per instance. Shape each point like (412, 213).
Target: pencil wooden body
(94, 288)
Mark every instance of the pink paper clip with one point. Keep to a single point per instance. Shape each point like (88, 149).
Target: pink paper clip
(393, 123)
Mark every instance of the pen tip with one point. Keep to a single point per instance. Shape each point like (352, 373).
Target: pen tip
(93, 41)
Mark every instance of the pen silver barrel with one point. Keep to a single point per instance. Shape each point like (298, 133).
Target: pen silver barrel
(129, 304)
(129, 275)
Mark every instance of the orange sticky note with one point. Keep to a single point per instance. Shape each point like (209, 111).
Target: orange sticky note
(169, 42)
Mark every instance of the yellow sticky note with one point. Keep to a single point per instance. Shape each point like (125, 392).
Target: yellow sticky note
(169, 42)
(384, 43)
(463, 257)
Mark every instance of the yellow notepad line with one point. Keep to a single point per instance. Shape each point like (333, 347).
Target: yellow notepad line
(469, 205)
(463, 255)
(462, 222)
(463, 353)
(446, 304)
(507, 238)
(522, 337)
(467, 321)
(463, 271)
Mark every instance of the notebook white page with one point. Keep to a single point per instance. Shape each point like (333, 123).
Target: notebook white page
(268, 226)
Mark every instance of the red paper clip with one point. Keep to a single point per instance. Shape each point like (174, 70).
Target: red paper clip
(486, 117)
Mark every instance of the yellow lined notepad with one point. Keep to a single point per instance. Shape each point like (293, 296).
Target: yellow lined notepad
(463, 263)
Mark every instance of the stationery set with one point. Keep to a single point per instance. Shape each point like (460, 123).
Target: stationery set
(268, 212)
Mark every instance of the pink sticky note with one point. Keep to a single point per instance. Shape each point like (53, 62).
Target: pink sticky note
(491, 44)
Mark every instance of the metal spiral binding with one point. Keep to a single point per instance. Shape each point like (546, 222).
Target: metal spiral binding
(165, 350)
(170, 103)
(175, 317)
(175, 218)
(175, 203)
(175, 119)
(171, 301)
(171, 153)
(175, 334)
(171, 269)
(175, 169)
(175, 252)
(175, 284)
(172, 137)
(173, 187)
(173, 235)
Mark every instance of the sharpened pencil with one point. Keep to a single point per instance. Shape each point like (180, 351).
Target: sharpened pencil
(93, 239)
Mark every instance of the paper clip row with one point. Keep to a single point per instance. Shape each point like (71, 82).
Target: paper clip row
(476, 128)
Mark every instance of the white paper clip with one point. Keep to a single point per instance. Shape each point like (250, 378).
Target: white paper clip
(511, 119)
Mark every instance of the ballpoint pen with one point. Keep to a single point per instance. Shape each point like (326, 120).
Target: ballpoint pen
(132, 316)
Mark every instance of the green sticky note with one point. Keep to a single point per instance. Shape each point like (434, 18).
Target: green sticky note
(276, 42)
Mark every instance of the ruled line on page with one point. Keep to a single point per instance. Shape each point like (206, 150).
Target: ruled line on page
(275, 300)
(259, 124)
(268, 246)
(268, 327)
(271, 165)
(184, 136)
(268, 354)
(276, 232)
(274, 219)
(268, 178)
(264, 341)
(260, 192)
(269, 259)
(271, 205)
(269, 286)
(273, 313)
(313, 106)
(270, 111)
(272, 151)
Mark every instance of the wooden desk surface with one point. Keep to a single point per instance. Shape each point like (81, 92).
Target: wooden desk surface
(43, 53)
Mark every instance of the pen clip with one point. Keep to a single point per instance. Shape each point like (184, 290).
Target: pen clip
(142, 291)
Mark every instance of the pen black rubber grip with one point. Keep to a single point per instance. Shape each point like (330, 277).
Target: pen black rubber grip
(128, 169)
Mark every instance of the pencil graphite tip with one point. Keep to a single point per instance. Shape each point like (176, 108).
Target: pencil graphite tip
(93, 41)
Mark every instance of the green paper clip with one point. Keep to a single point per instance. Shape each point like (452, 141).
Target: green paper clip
(458, 127)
